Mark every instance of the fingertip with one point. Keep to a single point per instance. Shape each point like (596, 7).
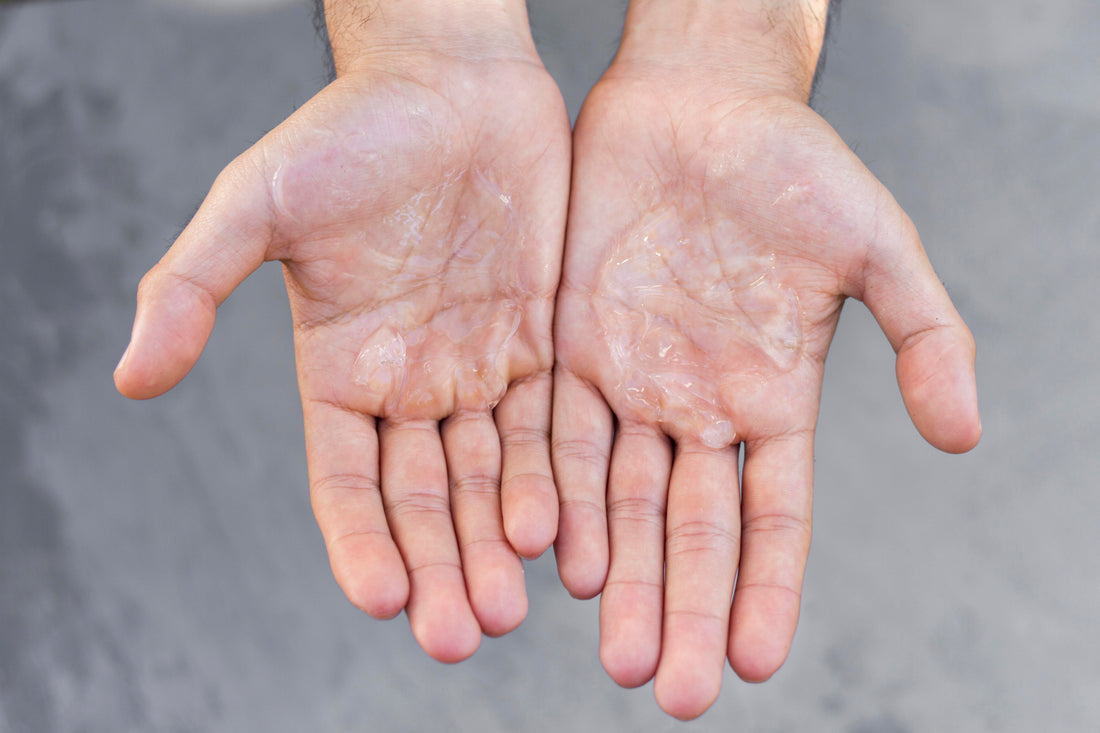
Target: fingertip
(382, 603)
(501, 616)
(134, 383)
(497, 596)
(172, 326)
(628, 665)
(448, 637)
(372, 575)
(122, 384)
(937, 381)
(756, 649)
(582, 555)
(754, 670)
(143, 385)
(689, 676)
(962, 436)
(686, 694)
(630, 633)
(135, 386)
(530, 522)
(583, 587)
(121, 366)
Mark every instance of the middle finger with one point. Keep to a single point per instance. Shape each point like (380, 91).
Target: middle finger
(702, 546)
(414, 491)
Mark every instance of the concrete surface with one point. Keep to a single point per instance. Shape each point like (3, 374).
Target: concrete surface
(159, 566)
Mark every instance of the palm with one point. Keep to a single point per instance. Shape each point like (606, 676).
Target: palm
(420, 261)
(419, 218)
(711, 245)
(702, 303)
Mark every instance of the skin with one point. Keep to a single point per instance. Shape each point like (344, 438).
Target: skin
(417, 206)
(716, 226)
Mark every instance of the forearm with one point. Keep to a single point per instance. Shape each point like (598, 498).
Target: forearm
(362, 30)
(770, 45)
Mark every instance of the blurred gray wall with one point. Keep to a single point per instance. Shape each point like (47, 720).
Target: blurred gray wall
(159, 566)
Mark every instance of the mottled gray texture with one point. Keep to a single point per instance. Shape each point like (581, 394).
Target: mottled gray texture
(159, 566)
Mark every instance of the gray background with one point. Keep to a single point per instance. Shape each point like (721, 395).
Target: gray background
(159, 566)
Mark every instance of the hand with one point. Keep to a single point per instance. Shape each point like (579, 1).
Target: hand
(417, 205)
(712, 240)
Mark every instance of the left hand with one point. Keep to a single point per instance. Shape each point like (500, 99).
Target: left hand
(713, 238)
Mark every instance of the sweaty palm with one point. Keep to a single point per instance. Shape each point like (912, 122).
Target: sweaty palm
(711, 245)
(419, 219)
(422, 265)
(697, 322)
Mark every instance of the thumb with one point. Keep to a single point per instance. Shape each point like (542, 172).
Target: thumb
(935, 349)
(177, 299)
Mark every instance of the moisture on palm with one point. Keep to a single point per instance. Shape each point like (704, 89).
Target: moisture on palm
(419, 218)
(683, 294)
(712, 242)
(431, 294)
(714, 284)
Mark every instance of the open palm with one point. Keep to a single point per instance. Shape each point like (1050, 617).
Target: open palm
(711, 244)
(419, 216)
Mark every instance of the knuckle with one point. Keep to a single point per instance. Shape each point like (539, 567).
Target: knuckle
(698, 616)
(343, 482)
(340, 540)
(489, 544)
(784, 527)
(640, 509)
(476, 484)
(532, 479)
(435, 565)
(581, 450)
(576, 504)
(524, 437)
(784, 589)
(421, 503)
(701, 536)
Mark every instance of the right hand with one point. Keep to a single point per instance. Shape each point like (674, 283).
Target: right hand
(417, 205)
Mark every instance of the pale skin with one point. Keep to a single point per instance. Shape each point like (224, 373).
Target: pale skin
(417, 205)
(716, 226)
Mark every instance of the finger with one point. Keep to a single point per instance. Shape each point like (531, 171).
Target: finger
(775, 541)
(630, 607)
(225, 241)
(935, 349)
(700, 561)
(527, 494)
(342, 453)
(414, 492)
(581, 452)
(493, 571)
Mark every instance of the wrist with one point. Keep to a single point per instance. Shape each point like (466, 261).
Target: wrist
(364, 31)
(761, 46)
